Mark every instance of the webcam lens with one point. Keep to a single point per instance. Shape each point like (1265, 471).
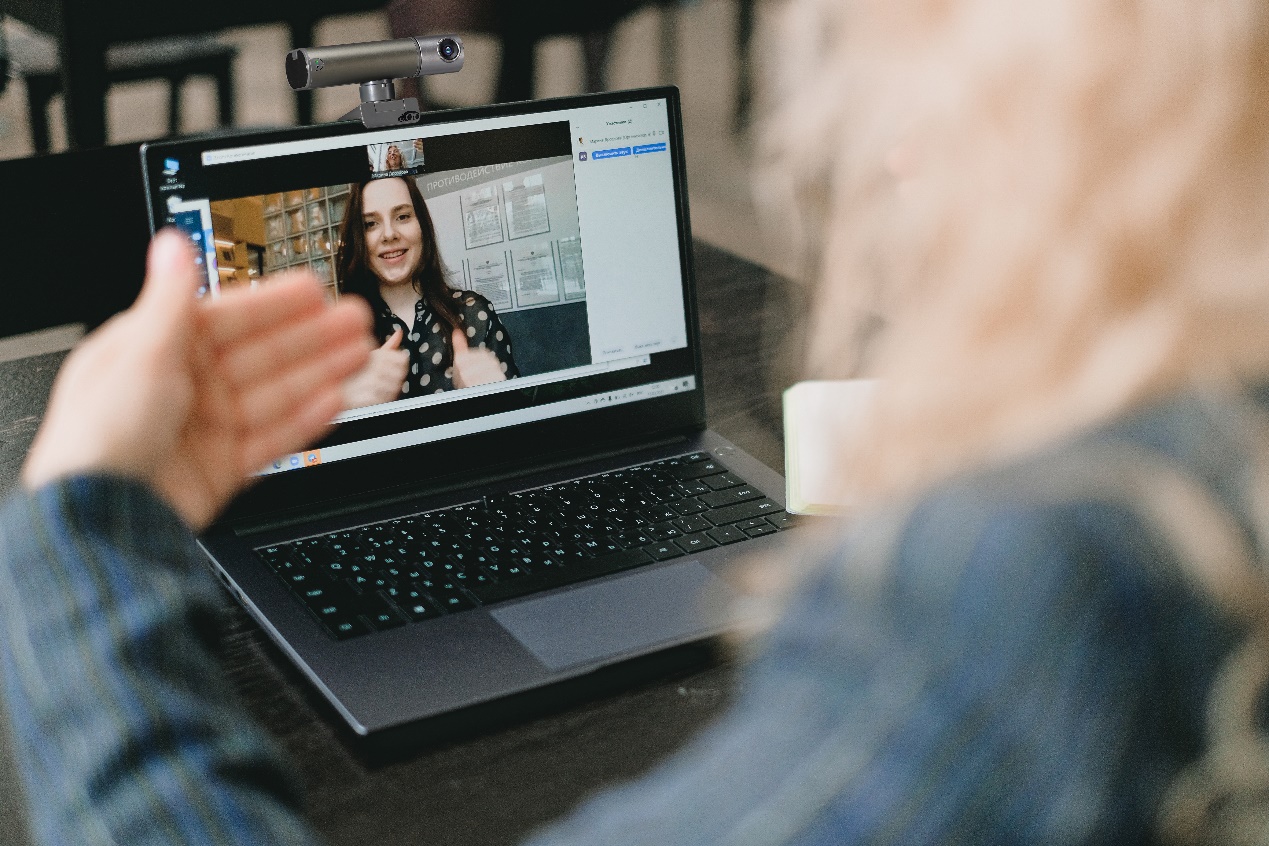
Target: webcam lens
(448, 49)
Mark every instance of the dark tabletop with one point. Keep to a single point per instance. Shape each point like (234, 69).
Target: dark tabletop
(496, 784)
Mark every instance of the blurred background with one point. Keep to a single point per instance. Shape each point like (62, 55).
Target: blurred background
(702, 46)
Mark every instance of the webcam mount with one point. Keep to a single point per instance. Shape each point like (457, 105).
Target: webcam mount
(374, 66)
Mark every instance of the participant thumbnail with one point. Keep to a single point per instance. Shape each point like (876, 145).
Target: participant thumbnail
(396, 158)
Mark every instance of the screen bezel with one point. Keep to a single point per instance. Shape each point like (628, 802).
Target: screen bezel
(437, 465)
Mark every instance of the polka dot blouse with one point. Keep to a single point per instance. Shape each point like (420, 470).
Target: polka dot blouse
(428, 343)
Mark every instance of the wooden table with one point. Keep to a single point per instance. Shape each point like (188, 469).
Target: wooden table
(494, 786)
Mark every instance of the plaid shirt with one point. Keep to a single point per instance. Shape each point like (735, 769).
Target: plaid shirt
(1015, 658)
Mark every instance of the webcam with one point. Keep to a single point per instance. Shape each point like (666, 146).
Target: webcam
(373, 66)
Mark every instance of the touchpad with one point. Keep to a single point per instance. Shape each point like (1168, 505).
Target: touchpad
(631, 614)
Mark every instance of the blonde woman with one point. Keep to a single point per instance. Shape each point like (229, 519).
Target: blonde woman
(1043, 226)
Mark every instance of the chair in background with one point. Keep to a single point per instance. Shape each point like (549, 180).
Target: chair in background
(520, 24)
(34, 57)
(87, 29)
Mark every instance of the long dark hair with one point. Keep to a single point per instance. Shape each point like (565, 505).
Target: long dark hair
(356, 277)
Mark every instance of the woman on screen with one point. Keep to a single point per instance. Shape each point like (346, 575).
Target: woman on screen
(433, 338)
(393, 159)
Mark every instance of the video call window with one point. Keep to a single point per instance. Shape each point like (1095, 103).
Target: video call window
(501, 244)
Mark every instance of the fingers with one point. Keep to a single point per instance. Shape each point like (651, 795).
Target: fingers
(302, 337)
(392, 363)
(298, 427)
(167, 301)
(474, 367)
(171, 277)
(267, 403)
(459, 340)
(243, 313)
(394, 340)
(379, 381)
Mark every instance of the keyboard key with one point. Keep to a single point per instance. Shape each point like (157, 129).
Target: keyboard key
(324, 594)
(689, 506)
(618, 561)
(664, 531)
(506, 572)
(726, 534)
(663, 551)
(452, 599)
(604, 546)
(344, 629)
(657, 514)
(693, 488)
(470, 577)
(372, 603)
(688, 525)
(723, 480)
(628, 540)
(746, 525)
(277, 557)
(784, 520)
(420, 610)
(332, 611)
(719, 499)
(695, 543)
(759, 531)
(385, 620)
(698, 469)
(742, 511)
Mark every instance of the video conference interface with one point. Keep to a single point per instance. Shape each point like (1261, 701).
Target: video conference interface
(553, 237)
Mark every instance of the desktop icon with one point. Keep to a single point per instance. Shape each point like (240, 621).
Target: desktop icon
(171, 167)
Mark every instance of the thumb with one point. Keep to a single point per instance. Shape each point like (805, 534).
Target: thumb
(171, 276)
(459, 340)
(394, 340)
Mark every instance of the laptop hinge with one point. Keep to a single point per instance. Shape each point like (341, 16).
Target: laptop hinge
(438, 487)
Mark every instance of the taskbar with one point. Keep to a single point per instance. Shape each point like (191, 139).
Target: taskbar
(432, 434)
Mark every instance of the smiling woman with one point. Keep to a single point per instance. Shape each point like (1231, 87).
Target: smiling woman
(433, 338)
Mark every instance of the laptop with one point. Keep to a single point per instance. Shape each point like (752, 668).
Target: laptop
(441, 551)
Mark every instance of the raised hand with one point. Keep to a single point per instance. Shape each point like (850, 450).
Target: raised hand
(192, 398)
(380, 380)
(474, 366)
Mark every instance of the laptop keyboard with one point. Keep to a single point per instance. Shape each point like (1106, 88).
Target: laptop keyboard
(415, 568)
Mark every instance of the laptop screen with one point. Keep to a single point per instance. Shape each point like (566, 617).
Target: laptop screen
(552, 231)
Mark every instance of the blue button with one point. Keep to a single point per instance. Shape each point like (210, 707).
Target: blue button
(650, 148)
(610, 154)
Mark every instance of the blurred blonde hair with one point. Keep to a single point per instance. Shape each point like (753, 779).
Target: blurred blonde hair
(1056, 209)
(1028, 218)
